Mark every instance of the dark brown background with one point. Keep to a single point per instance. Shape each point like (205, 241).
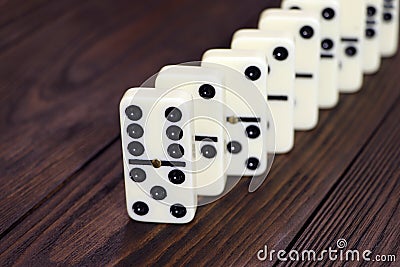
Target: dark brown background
(64, 66)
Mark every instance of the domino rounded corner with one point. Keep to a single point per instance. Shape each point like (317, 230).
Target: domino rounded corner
(188, 220)
(220, 191)
(389, 53)
(352, 89)
(372, 70)
(331, 104)
(311, 125)
(286, 149)
(209, 53)
(241, 33)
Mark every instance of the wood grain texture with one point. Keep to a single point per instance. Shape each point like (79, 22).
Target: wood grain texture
(363, 208)
(62, 198)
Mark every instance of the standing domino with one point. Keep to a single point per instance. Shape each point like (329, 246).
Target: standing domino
(352, 28)
(246, 112)
(205, 85)
(306, 31)
(158, 167)
(279, 50)
(372, 54)
(389, 31)
(328, 13)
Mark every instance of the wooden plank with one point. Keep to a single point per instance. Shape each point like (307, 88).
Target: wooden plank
(61, 85)
(363, 207)
(17, 9)
(13, 21)
(44, 126)
(86, 222)
(82, 192)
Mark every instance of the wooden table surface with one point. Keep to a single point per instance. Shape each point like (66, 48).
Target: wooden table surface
(64, 66)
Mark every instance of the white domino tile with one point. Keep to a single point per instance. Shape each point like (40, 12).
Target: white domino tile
(279, 48)
(389, 32)
(247, 118)
(159, 183)
(206, 87)
(328, 12)
(306, 31)
(352, 29)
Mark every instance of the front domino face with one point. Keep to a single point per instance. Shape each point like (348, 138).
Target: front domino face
(305, 30)
(352, 28)
(246, 109)
(279, 50)
(389, 30)
(328, 12)
(159, 183)
(206, 87)
(371, 54)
